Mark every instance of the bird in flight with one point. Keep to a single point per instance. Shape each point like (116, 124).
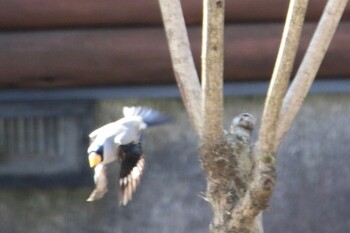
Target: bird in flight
(121, 141)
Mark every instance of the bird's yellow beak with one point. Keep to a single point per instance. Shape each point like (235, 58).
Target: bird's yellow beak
(94, 159)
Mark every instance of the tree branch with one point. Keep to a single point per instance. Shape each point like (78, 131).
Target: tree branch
(264, 176)
(182, 59)
(310, 65)
(281, 75)
(212, 71)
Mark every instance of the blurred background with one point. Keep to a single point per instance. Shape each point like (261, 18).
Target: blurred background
(67, 68)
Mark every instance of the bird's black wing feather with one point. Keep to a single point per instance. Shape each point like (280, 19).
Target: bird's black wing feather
(132, 166)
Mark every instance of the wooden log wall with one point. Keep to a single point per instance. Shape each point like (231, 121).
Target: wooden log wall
(49, 43)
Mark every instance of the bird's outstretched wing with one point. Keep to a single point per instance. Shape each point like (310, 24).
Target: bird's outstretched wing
(132, 166)
(149, 116)
(106, 129)
(101, 182)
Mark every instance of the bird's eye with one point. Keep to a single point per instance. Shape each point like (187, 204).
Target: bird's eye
(100, 151)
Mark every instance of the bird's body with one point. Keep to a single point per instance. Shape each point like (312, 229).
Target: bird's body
(121, 140)
(112, 135)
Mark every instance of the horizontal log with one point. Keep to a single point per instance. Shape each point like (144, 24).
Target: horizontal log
(24, 14)
(67, 58)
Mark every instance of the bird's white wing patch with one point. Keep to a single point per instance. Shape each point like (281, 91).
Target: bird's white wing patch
(100, 130)
(129, 133)
(128, 111)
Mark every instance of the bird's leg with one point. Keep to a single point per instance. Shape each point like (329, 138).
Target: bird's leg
(101, 182)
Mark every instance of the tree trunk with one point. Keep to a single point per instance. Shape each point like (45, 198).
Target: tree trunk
(230, 169)
(255, 227)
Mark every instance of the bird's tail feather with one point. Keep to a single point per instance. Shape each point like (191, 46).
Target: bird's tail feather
(150, 117)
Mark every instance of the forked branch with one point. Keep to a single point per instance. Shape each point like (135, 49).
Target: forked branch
(281, 75)
(263, 182)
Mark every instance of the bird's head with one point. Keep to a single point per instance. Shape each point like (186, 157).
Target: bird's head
(243, 122)
(96, 156)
